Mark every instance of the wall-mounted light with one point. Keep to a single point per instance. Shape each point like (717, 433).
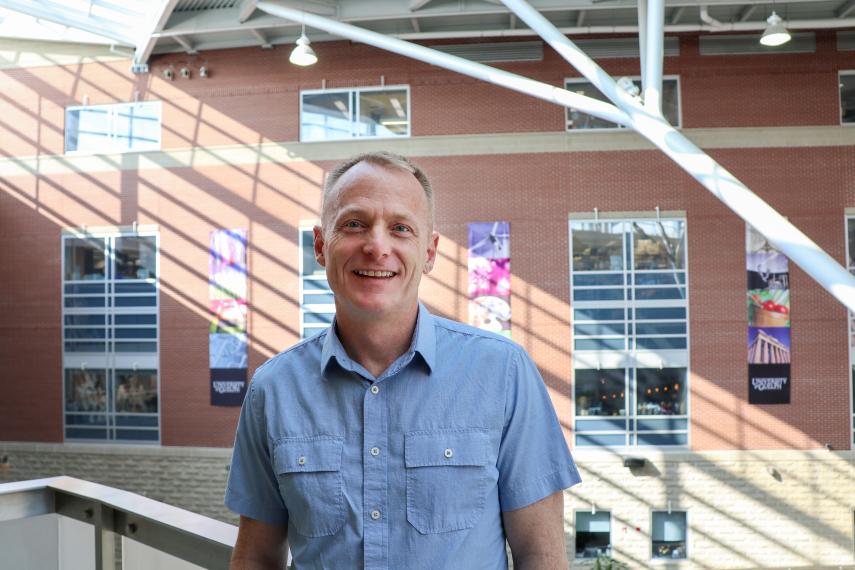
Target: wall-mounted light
(204, 72)
(168, 74)
(185, 72)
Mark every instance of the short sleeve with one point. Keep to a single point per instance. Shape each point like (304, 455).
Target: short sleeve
(253, 490)
(534, 461)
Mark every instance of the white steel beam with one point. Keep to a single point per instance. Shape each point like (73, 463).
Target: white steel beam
(418, 4)
(580, 18)
(654, 47)
(746, 13)
(478, 70)
(185, 43)
(642, 37)
(722, 184)
(262, 39)
(715, 178)
(145, 44)
(846, 9)
(246, 10)
(676, 14)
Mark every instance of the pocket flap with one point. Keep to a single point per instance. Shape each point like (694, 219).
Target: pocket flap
(446, 447)
(307, 454)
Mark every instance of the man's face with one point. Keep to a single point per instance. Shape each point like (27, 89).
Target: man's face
(376, 242)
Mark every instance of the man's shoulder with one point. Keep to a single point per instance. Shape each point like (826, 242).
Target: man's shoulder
(305, 356)
(448, 330)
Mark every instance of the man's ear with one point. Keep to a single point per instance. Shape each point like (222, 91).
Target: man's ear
(431, 252)
(319, 245)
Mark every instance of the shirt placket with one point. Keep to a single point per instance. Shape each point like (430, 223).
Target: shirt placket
(375, 451)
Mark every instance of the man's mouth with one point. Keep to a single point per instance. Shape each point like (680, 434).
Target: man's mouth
(380, 274)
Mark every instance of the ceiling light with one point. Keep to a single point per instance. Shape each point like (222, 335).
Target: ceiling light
(776, 33)
(303, 54)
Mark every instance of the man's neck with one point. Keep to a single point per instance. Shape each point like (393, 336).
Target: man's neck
(377, 343)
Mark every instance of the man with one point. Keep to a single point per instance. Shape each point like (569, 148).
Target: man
(395, 439)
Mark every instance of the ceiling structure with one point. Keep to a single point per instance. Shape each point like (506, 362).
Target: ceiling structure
(148, 27)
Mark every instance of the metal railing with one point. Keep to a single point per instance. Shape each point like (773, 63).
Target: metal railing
(188, 536)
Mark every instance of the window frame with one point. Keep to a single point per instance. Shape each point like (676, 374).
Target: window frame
(609, 548)
(112, 361)
(669, 511)
(849, 217)
(353, 94)
(840, 75)
(630, 359)
(620, 128)
(113, 108)
(311, 308)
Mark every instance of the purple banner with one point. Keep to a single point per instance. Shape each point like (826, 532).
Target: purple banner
(490, 276)
(227, 353)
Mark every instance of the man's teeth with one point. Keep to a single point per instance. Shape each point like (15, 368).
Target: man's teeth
(375, 273)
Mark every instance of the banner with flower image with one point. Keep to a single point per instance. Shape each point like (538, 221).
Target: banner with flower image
(490, 276)
(768, 321)
(227, 351)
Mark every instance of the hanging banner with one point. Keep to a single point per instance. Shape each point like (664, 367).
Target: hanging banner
(768, 321)
(227, 353)
(490, 276)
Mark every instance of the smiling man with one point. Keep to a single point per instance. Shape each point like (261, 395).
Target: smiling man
(395, 439)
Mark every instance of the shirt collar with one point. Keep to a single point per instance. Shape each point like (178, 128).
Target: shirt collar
(424, 343)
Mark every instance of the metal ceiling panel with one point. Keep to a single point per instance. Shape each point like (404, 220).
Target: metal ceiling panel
(494, 52)
(733, 44)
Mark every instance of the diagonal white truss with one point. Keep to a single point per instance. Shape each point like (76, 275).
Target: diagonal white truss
(628, 110)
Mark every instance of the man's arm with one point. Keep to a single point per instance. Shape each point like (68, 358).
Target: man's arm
(260, 546)
(536, 534)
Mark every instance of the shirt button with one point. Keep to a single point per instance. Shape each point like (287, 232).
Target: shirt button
(375, 451)
(449, 453)
(301, 460)
(375, 389)
(375, 515)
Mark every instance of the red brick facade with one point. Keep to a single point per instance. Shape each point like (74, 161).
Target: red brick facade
(252, 97)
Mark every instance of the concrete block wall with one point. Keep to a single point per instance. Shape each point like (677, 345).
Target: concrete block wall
(745, 509)
(192, 478)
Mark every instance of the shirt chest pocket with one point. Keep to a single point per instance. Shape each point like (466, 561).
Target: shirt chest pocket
(446, 478)
(309, 474)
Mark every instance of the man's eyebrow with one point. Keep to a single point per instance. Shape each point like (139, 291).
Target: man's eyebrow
(357, 211)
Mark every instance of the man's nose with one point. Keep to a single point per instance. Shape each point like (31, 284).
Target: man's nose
(377, 243)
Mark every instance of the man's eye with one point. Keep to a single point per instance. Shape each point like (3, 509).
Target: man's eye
(401, 228)
(352, 224)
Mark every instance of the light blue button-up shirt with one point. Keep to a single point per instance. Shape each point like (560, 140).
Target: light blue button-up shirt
(410, 470)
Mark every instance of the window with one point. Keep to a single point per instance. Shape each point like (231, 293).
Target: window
(850, 265)
(122, 127)
(668, 535)
(110, 336)
(317, 305)
(847, 97)
(629, 296)
(577, 120)
(593, 534)
(376, 112)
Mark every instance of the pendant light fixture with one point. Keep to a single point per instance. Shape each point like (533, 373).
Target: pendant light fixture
(776, 33)
(303, 54)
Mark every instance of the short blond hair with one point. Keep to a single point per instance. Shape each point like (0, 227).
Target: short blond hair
(384, 159)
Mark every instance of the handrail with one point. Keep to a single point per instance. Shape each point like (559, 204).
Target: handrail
(192, 537)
